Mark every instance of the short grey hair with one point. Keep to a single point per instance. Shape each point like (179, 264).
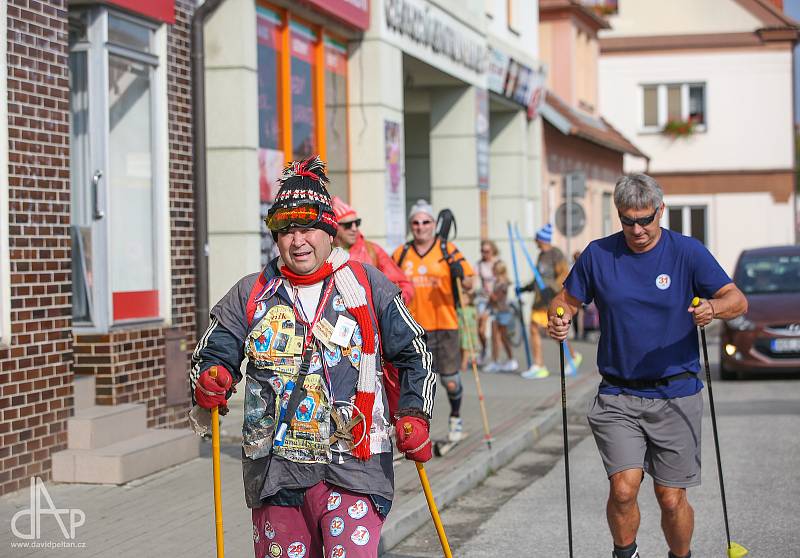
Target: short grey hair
(637, 191)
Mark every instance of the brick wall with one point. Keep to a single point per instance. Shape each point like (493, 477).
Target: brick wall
(36, 371)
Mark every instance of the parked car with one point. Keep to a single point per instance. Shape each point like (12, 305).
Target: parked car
(767, 338)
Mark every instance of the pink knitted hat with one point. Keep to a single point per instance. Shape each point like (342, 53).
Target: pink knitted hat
(342, 211)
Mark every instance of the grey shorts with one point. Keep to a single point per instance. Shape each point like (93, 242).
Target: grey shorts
(445, 347)
(661, 436)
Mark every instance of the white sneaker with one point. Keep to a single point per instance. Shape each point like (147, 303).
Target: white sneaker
(456, 433)
(509, 366)
(492, 368)
(576, 363)
(535, 372)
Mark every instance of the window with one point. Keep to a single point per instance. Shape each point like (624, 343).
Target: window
(689, 221)
(5, 270)
(302, 102)
(673, 102)
(119, 210)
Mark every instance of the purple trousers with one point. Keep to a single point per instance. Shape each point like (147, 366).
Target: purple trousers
(331, 523)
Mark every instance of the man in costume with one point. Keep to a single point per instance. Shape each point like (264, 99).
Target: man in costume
(315, 326)
(434, 265)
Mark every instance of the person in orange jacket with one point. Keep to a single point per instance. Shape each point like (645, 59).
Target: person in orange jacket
(349, 237)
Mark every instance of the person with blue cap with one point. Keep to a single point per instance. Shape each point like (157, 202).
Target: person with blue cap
(553, 268)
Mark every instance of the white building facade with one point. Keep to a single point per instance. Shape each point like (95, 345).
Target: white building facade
(705, 89)
(405, 99)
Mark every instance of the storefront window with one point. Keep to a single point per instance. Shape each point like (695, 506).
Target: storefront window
(302, 104)
(119, 201)
(336, 115)
(270, 154)
(304, 141)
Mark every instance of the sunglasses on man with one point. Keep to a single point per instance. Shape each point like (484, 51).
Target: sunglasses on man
(421, 223)
(350, 224)
(641, 221)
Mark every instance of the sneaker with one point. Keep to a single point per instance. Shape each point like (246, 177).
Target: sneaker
(535, 372)
(456, 432)
(634, 555)
(509, 366)
(492, 368)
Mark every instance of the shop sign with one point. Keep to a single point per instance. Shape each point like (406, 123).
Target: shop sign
(516, 81)
(444, 36)
(482, 136)
(351, 12)
(395, 191)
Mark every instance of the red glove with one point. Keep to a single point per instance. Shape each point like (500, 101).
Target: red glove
(413, 438)
(209, 392)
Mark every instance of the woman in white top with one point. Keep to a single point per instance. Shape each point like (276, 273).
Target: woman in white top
(489, 254)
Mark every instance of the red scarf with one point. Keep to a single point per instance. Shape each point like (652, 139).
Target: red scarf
(315, 277)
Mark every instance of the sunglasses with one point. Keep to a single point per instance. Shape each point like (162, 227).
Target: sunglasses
(303, 216)
(421, 223)
(351, 224)
(641, 221)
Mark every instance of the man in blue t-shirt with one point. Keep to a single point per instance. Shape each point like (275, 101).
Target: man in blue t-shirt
(647, 414)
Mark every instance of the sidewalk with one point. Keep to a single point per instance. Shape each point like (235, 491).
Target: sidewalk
(171, 513)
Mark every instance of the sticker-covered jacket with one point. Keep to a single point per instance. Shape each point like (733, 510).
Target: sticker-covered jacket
(257, 320)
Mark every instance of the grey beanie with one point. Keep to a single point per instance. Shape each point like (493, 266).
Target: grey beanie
(422, 206)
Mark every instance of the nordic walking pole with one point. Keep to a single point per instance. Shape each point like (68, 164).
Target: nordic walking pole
(523, 326)
(426, 488)
(562, 348)
(487, 433)
(735, 550)
(217, 485)
(542, 286)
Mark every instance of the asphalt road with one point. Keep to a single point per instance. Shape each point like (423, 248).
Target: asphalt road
(521, 511)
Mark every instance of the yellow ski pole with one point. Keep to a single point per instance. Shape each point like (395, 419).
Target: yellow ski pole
(426, 488)
(217, 484)
(735, 550)
(486, 431)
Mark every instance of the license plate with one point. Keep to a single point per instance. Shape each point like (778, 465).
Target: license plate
(785, 345)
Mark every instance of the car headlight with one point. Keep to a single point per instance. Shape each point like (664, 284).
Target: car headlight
(740, 323)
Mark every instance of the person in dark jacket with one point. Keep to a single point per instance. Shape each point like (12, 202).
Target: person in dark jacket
(317, 451)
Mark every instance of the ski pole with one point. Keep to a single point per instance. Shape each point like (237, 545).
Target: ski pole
(426, 488)
(562, 348)
(735, 550)
(487, 432)
(522, 324)
(217, 484)
(542, 286)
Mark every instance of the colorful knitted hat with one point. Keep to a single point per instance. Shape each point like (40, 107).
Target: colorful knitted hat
(304, 183)
(545, 234)
(344, 213)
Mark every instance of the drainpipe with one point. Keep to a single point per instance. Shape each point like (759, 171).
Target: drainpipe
(199, 164)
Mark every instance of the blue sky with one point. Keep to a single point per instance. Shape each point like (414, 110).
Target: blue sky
(792, 8)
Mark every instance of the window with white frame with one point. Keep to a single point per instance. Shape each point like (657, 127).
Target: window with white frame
(119, 210)
(689, 220)
(673, 102)
(5, 271)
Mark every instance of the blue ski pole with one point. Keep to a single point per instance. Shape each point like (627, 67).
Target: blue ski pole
(522, 324)
(540, 282)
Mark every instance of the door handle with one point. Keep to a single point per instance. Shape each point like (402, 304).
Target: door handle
(98, 213)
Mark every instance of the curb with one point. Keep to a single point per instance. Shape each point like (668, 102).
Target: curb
(410, 516)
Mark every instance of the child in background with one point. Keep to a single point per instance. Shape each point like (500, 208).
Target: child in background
(501, 311)
(468, 327)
